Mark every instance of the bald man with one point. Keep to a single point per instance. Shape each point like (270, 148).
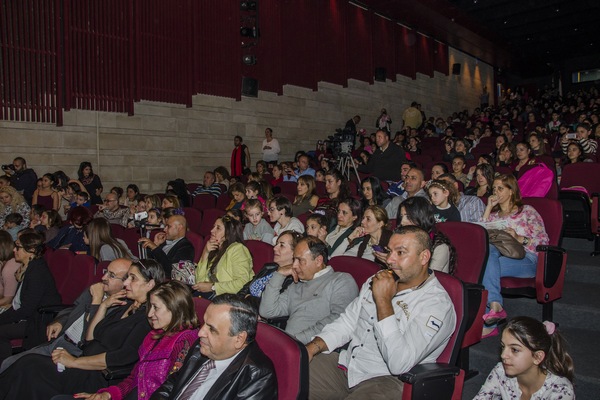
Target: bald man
(171, 246)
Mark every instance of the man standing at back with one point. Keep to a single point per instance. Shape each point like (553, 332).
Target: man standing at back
(23, 179)
(240, 157)
(225, 363)
(412, 116)
(386, 160)
(402, 317)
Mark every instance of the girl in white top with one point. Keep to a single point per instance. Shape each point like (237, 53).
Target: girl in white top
(535, 364)
(280, 212)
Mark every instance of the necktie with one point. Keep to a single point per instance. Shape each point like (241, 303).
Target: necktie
(197, 381)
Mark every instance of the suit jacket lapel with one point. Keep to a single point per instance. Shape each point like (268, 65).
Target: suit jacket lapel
(227, 376)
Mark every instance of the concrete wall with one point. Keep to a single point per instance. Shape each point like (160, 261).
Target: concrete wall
(164, 141)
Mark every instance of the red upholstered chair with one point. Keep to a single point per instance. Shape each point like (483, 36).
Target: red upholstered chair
(131, 236)
(288, 187)
(81, 276)
(548, 283)
(197, 242)
(60, 263)
(472, 248)
(204, 201)
(442, 379)
(117, 230)
(223, 201)
(321, 191)
(100, 270)
(261, 252)
(208, 220)
(359, 268)
(303, 217)
(193, 218)
(289, 358)
(288, 355)
(580, 206)
(191, 187)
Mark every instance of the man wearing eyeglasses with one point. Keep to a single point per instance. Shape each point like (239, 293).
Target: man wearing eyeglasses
(68, 328)
(111, 211)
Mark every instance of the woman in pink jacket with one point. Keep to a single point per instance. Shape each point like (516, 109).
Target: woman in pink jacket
(174, 329)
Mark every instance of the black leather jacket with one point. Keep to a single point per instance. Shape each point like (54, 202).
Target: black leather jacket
(251, 374)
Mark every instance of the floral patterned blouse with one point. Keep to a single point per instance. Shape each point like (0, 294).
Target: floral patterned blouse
(526, 223)
(499, 386)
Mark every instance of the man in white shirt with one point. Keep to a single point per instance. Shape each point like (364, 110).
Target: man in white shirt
(402, 317)
(270, 148)
(225, 362)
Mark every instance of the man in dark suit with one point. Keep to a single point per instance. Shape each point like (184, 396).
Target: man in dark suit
(225, 362)
(171, 246)
(69, 326)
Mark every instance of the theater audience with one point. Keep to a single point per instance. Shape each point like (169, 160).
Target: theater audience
(368, 363)
(8, 267)
(47, 196)
(280, 213)
(535, 364)
(306, 198)
(112, 339)
(171, 245)
(484, 176)
(103, 245)
(283, 255)
(35, 289)
(257, 228)
(112, 211)
(371, 193)
(418, 211)
(527, 227)
(12, 201)
(226, 264)
(174, 330)
(414, 187)
(370, 239)
(91, 182)
(349, 215)
(317, 296)
(71, 236)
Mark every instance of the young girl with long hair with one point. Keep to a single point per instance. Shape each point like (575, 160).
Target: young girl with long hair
(535, 364)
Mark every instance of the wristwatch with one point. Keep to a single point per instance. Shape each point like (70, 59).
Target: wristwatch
(525, 240)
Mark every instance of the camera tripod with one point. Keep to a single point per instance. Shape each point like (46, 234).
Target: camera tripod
(346, 165)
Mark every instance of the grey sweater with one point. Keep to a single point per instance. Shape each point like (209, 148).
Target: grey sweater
(310, 305)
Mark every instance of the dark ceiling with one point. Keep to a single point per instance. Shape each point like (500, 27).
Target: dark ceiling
(524, 36)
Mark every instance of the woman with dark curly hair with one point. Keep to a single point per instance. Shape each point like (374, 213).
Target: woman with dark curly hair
(91, 182)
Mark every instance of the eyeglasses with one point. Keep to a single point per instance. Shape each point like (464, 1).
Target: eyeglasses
(108, 200)
(111, 275)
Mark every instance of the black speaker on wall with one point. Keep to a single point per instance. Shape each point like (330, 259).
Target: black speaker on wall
(380, 74)
(249, 87)
(456, 69)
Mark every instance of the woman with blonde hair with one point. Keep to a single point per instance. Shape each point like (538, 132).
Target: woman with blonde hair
(12, 201)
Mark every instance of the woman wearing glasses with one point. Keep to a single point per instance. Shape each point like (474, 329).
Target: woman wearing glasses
(36, 288)
(226, 264)
(111, 341)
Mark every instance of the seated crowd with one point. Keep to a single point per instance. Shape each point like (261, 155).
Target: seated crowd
(140, 318)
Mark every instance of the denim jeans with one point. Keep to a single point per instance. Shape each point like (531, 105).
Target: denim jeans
(499, 266)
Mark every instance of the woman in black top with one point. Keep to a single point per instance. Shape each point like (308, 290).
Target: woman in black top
(91, 181)
(112, 340)
(36, 288)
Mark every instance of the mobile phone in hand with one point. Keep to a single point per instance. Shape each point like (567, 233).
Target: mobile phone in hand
(380, 249)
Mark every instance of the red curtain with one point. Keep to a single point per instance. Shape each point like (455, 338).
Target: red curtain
(359, 43)
(440, 58)
(424, 60)
(217, 52)
(406, 52)
(330, 55)
(384, 45)
(299, 32)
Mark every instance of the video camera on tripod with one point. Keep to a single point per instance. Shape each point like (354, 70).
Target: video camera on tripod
(341, 143)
